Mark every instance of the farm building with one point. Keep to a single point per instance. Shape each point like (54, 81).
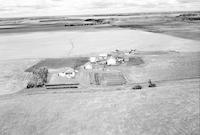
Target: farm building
(88, 66)
(111, 61)
(103, 56)
(120, 56)
(93, 59)
(68, 73)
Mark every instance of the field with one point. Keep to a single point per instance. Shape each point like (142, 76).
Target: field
(172, 108)
(59, 44)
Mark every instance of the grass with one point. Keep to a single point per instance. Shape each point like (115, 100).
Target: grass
(164, 67)
(168, 109)
(55, 63)
(12, 75)
(133, 61)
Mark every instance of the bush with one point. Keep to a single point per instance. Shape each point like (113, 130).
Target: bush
(30, 84)
(40, 83)
(151, 84)
(137, 87)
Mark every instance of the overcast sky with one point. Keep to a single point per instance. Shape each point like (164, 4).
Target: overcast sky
(16, 8)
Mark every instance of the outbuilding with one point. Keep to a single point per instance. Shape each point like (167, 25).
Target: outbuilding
(93, 59)
(103, 56)
(68, 73)
(111, 61)
(88, 66)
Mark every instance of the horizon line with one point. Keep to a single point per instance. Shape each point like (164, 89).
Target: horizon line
(103, 14)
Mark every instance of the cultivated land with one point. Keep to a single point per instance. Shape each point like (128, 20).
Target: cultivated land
(171, 108)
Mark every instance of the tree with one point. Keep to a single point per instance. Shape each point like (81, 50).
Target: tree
(39, 77)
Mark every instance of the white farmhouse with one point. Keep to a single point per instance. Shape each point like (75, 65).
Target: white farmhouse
(111, 61)
(93, 59)
(68, 73)
(88, 66)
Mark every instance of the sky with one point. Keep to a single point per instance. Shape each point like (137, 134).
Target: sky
(21, 8)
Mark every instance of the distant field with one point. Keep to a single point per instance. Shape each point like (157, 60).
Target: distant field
(180, 24)
(172, 24)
